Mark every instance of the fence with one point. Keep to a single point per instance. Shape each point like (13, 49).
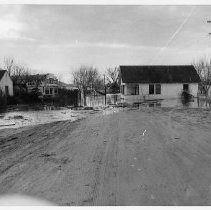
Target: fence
(99, 100)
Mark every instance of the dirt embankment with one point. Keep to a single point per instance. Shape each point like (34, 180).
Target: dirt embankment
(134, 157)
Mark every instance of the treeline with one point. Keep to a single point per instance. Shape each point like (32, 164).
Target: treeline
(86, 78)
(89, 79)
(22, 74)
(203, 68)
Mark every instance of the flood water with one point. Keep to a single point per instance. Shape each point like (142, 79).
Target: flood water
(193, 103)
(179, 103)
(16, 119)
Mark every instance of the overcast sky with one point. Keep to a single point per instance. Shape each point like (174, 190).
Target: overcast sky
(58, 39)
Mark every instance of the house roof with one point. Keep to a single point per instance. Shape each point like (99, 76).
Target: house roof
(29, 78)
(159, 74)
(2, 72)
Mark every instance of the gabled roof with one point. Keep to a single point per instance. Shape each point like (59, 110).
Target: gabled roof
(159, 74)
(2, 72)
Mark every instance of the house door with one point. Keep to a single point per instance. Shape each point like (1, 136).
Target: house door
(6, 90)
(185, 87)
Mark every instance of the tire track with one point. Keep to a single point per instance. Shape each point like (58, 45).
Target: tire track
(105, 190)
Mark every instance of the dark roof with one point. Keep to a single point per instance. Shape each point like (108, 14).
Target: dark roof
(159, 74)
(28, 78)
(2, 72)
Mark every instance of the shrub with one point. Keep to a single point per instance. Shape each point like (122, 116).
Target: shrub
(12, 100)
(68, 97)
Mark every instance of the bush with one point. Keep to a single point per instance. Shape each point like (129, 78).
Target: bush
(28, 98)
(68, 97)
(12, 100)
(64, 98)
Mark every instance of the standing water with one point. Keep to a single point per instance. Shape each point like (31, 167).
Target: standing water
(180, 103)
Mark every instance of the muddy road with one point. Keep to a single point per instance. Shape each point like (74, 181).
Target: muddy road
(134, 157)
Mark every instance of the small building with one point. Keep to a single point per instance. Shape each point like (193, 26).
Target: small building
(6, 83)
(139, 83)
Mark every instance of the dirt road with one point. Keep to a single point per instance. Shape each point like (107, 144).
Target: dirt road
(134, 157)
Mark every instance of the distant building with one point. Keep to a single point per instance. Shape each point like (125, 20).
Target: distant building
(140, 83)
(6, 83)
(45, 84)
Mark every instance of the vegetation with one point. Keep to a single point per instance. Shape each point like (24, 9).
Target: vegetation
(113, 80)
(203, 67)
(18, 72)
(64, 98)
(21, 75)
(87, 79)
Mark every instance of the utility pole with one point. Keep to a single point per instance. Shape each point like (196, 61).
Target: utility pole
(209, 21)
(209, 34)
(105, 89)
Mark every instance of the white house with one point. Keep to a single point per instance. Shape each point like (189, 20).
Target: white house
(140, 83)
(6, 83)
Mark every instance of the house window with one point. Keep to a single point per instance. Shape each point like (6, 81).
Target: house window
(55, 90)
(46, 91)
(51, 91)
(151, 89)
(185, 87)
(31, 83)
(136, 90)
(154, 89)
(6, 90)
(158, 89)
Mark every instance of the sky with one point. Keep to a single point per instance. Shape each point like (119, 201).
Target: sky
(60, 38)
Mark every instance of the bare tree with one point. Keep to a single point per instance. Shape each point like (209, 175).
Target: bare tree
(113, 79)
(20, 76)
(17, 71)
(203, 68)
(112, 74)
(87, 78)
(20, 72)
(59, 76)
(8, 64)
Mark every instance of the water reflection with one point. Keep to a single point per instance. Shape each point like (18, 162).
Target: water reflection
(179, 103)
(204, 102)
(154, 104)
(187, 103)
